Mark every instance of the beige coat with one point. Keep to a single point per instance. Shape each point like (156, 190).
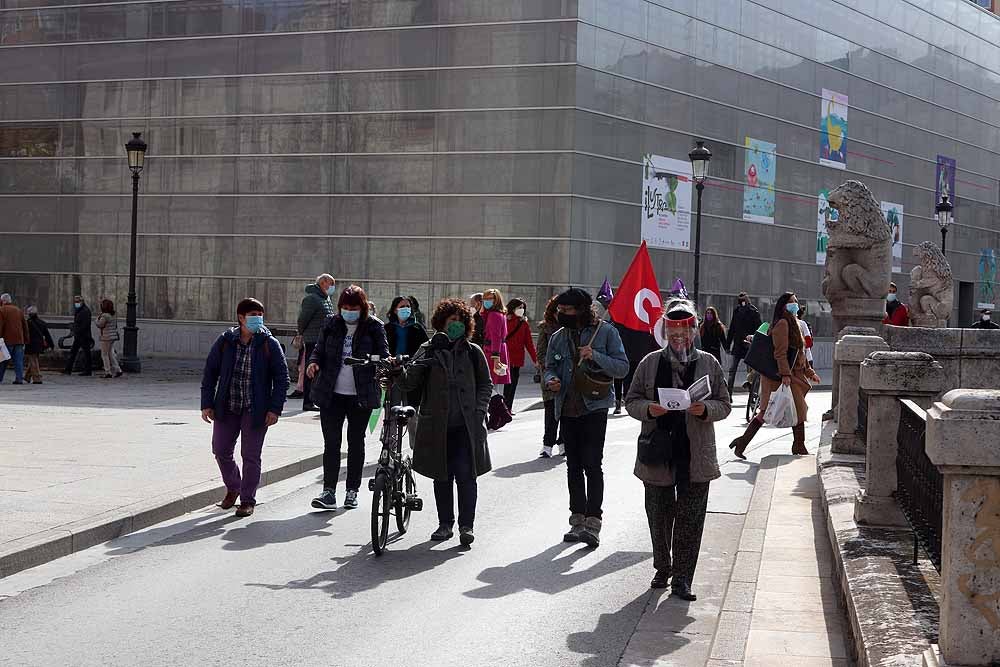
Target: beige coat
(800, 383)
(701, 431)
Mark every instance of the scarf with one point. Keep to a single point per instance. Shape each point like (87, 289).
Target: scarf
(671, 373)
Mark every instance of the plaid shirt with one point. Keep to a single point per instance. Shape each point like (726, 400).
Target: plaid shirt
(239, 386)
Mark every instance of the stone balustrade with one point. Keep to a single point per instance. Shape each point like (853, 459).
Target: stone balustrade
(848, 354)
(887, 377)
(963, 441)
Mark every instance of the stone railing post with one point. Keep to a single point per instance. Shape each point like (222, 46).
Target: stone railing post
(849, 352)
(887, 377)
(963, 441)
(835, 374)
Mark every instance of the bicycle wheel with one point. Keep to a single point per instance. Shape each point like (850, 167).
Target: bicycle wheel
(405, 487)
(380, 512)
(753, 400)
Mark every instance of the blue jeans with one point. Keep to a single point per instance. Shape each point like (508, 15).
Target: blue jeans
(16, 356)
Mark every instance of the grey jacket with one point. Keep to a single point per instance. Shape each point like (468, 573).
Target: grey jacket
(316, 307)
(609, 354)
(701, 431)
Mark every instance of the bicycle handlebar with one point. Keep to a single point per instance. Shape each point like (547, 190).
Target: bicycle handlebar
(376, 360)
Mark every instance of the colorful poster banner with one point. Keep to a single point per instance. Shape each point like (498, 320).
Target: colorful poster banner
(833, 130)
(987, 279)
(822, 235)
(944, 180)
(666, 202)
(893, 214)
(758, 180)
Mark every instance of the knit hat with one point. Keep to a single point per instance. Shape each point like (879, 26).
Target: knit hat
(576, 297)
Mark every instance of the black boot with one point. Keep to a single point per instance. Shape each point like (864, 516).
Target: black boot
(732, 381)
(799, 440)
(682, 589)
(740, 444)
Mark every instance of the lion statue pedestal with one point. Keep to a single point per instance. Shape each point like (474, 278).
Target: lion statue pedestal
(932, 291)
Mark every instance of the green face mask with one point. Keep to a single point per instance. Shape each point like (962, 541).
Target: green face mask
(455, 330)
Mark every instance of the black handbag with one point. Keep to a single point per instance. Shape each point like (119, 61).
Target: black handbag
(760, 356)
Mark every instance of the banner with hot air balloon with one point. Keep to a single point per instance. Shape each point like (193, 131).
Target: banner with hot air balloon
(758, 180)
(893, 214)
(833, 130)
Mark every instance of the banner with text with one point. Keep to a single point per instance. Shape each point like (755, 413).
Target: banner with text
(833, 130)
(893, 214)
(666, 202)
(822, 235)
(758, 180)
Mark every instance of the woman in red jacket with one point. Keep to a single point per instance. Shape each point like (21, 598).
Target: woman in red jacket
(519, 340)
(896, 313)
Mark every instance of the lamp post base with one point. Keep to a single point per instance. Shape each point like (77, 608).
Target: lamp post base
(130, 364)
(130, 357)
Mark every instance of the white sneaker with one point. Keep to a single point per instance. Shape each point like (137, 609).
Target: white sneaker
(560, 450)
(546, 453)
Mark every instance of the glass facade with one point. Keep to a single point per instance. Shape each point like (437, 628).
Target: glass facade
(436, 147)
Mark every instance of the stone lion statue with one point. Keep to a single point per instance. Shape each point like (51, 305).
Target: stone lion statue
(859, 255)
(931, 287)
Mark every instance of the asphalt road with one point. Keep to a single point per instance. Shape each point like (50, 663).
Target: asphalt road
(294, 587)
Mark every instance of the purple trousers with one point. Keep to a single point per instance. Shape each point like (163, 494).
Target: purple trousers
(224, 433)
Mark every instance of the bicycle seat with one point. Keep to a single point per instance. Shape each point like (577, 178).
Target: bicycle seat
(405, 411)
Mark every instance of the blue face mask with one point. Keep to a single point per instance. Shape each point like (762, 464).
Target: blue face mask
(255, 323)
(793, 308)
(404, 313)
(890, 297)
(488, 304)
(331, 290)
(76, 306)
(350, 316)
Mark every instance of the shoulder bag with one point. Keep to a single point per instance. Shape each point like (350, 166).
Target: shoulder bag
(760, 356)
(589, 380)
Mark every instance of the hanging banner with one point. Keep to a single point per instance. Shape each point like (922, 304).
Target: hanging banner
(758, 181)
(822, 235)
(666, 203)
(893, 214)
(944, 179)
(987, 279)
(833, 130)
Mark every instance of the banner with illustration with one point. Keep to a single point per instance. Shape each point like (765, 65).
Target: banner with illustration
(987, 279)
(833, 130)
(822, 235)
(758, 181)
(666, 202)
(944, 179)
(893, 214)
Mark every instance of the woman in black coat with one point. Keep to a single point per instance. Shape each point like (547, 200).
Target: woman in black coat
(345, 392)
(713, 334)
(450, 445)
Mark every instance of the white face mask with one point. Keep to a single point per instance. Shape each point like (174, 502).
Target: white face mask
(519, 312)
(986, 318)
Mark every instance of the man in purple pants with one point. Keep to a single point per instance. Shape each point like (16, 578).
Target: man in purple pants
(243, 391)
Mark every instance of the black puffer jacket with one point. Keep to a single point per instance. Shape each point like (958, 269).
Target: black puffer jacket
(369, 338)
(746, 320)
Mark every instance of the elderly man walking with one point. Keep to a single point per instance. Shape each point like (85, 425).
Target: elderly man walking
(14, 332)
(315, 308)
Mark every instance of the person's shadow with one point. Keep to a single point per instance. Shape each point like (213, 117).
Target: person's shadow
(549, 574)
(278, 531)
(356, 573)
(529, 467)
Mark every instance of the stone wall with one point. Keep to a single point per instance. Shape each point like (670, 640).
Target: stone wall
(970, 357)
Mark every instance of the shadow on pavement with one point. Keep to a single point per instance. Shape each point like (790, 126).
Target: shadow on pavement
(529, 467)
(619, 624)
(275, 531)
(546, 573)
(364, 571)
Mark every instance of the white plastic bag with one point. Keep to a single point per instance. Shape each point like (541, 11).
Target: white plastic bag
(781, 411)
(4, 353)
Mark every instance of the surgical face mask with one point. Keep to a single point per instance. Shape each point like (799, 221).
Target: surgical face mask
(255, 322)
(519, 312)
(985, 318)
(455, 330)
(331, 290)
(404, 313)
(76, 306)
(488, 304)
(793, 308)
(709, 317)
(350, 316)
(568, 321)
(891, 296)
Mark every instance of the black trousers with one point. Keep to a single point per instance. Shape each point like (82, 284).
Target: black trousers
(676, 522)
(78, 345)
(510, 389)
(737, 356)
(584, 438)
(461, 473)
(332, 422)
(551, 437)
(306, 382)
(619, 389)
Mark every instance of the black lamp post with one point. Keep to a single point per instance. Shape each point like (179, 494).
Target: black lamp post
(136, 151)
(943, 211)
(700, 157)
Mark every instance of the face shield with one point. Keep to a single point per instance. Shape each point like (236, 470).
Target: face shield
(678, 329)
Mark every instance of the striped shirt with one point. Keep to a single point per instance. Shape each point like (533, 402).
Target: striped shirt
(239, 385)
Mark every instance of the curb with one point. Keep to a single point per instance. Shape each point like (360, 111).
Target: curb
(48, 545)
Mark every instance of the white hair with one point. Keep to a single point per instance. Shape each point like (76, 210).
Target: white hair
(5, 298)
(325, 276)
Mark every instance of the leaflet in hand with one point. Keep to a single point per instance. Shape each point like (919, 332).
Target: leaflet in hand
(681, 399)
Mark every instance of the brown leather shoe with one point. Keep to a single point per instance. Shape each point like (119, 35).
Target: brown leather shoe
(229, 501)
(244, 510)
(799, 440)
(740, 444)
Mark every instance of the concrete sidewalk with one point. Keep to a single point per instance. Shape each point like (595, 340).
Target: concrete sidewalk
(84, 459)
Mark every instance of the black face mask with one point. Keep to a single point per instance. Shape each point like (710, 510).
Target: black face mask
(568, 321)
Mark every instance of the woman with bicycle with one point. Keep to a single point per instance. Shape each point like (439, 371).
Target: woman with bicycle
(450, 447)
(345, 392)
(790, 358)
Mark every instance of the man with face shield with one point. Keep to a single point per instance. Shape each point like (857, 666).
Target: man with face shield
(676, 457)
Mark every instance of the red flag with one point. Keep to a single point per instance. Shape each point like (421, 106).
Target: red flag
(637, 303)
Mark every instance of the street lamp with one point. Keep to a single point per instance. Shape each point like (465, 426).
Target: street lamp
(136, 151)
(943, 210)
(700, 157)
